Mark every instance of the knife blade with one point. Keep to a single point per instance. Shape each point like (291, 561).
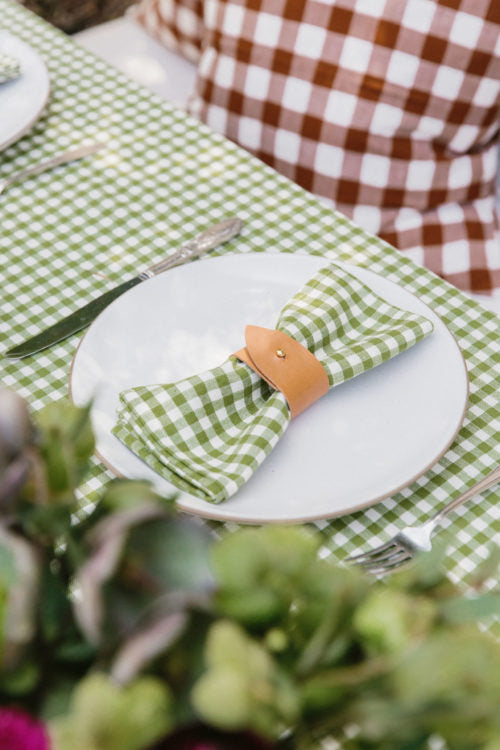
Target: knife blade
(81, 318)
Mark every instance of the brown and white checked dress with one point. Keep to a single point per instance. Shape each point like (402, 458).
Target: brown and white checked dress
(178, 24)
(389, 109)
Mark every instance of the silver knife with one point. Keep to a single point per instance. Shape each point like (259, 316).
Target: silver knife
(82, 317)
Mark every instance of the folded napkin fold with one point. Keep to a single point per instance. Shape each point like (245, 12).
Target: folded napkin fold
(207, 434)
(9, 68)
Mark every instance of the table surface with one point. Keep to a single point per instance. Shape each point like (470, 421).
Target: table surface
(163, 178)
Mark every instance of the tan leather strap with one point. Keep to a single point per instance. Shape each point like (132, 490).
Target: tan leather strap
(285, 365)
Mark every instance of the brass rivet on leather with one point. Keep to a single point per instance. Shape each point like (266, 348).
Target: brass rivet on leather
(286, 365)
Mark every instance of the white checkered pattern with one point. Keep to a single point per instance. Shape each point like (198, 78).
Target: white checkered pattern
(163, 179)
(408, 92)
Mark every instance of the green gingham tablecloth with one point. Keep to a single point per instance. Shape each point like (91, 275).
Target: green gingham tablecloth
(162, 179)
(9, 68)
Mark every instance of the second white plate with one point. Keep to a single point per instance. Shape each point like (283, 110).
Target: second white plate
(360, 443)
(22, 100)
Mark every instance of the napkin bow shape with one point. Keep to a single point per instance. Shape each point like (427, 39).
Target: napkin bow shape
(207, 434)
(9, 68)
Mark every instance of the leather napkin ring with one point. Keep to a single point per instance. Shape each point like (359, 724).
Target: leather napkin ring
(285, 365)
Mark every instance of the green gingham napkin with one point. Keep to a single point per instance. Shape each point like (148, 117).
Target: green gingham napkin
(9, 68)
(207, 434)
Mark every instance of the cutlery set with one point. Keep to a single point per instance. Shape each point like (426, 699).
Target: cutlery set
(81, 318)
(399, 550)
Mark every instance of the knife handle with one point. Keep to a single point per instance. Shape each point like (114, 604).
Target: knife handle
(205, 241)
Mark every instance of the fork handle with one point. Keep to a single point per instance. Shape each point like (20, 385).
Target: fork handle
(56, 161)
(491, 479)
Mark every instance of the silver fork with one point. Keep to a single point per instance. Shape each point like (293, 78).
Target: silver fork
(412, 540)
(44, 166)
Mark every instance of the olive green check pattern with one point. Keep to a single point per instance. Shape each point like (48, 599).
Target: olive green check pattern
(162, 179)
(9, 68)
(207, 434)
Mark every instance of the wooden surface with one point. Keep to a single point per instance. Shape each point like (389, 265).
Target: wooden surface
(75, 15)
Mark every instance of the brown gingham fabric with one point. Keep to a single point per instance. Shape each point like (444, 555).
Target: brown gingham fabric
(389, 109)
(178, 24)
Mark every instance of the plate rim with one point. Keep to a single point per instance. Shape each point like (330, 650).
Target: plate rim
(27, 127)
(211, 511)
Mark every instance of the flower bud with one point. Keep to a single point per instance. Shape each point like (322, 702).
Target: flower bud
(16, 434)
(21, 588)
(16, 430)
(203, 737)
(19, 730)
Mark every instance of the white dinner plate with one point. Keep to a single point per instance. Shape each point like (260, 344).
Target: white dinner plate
(22, 100)
(361, 442)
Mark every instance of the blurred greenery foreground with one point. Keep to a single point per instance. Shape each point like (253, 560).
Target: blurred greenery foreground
(130, 627)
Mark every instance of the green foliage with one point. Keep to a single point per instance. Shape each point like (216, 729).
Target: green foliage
(120, 624)
(243, 687)
(125, 494)
(261, 572)
(353, 649)
(66, 444)
(388, 621)
(104, 716)
(7, 581)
